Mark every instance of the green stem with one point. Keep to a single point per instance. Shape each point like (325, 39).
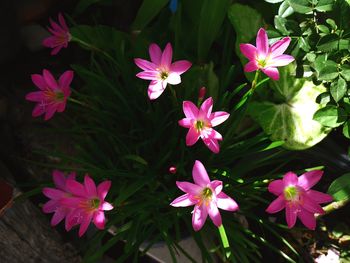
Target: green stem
(224, 241)
(333, 206)
(255, 81)
(173, 92)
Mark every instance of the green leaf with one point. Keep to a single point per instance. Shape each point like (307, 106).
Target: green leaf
(329, 71)
(84, 4)
(280, 25)
(338, 89)
(324, 5)
(274, 1)
(328, 43)
(285, 9)
(346, 129)
(291, 119)
(148, 10)
(345, 72)
(303, 44)
(211, 18)
(330, 116)
(340, 188)
(301, 6)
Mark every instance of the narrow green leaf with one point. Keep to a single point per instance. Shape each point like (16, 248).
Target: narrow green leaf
(148, 10)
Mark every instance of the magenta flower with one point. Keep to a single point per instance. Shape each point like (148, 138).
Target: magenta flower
(56, 194)
(88, 203)
(206, 196)
(160, 70)
(52, 96)
(265, 58)
(60, 35)
(295, 195)
(200, 122)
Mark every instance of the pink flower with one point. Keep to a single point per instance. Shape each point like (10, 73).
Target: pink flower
(265, 58)
(295, 195)
(200, 122)
(60, 35)
(160, 70)
(52, 96)
(56, 194)
(88, 203)
(206, 196)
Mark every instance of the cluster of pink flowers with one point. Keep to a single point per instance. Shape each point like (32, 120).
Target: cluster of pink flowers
(81, 204)
(77, 203)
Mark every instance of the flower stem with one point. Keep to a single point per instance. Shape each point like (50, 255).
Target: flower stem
(255, 81)
(333, 206)
(173, 92)
(224, 241)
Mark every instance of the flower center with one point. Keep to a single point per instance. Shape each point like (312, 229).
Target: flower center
(199, 125)
(207, 193)
(59, 95)
(262, 62)
(164, 75)
(291, 193)
(95, 203)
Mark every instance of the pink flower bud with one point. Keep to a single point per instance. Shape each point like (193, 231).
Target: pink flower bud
(201, 93)
(172, 169)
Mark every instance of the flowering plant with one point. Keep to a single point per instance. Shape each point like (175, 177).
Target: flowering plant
(127, 136)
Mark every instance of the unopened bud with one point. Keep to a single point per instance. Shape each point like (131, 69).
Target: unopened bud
(201, 93)
(172, 169)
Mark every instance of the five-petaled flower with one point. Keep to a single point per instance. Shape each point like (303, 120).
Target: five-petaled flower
(88, 203)
(206, 196)
(295, 195)
(60, 35)
(201, 122)
(52, 96)
(265, 58)
(160, 70)
(56, 194)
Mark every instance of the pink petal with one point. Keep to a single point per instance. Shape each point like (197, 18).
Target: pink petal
(186, 122)
(218, 117)
(214, 214)
(61, 106)
(149, 75)
(276, 205)
(291, 214)
(155, 53)
(248, 50)
(50, 206)
(145, 64)
(50, 80)
(262, 43)
(39, 81)
(206, 107)
(103, 188)
(213, 134)
(56, 50)
(90, 186)
(200, 175)
(35, 96)
(309, 179)
(155, 89)
(276, 187)
(272, 73)
(62, 22)
(73, 218)
(290, 179)
(311, 205)
(59, 179)
(107, 206)
(53, 193)
(216, 185)
(190, 110)
(189, 188)
(71, 175)
(307, 218)
(225, 202)
(167, 56)
(251, 66)
(183, 201)
(212, 144)
(66, 78)
(192, 136)
(180, 66)
(85, 224)
(38, 110)
(198, 217)
(50, 111)
(55, 26)
(281, 60)
(173, 79)
(49, 41)
(58, 217)
(319, 197)
(72, 202)
(99, 220)
(279, 47)
(75, 188)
